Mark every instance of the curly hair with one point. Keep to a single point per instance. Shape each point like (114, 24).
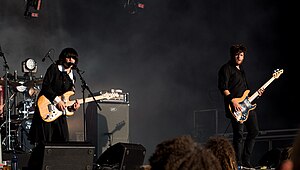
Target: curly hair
(182, 153)
(290, 156)
(236, 49)
(223, 150)
(200, 159)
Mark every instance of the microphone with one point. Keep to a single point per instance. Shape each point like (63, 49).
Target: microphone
(74, 67)
(69, 64)
(47, 54)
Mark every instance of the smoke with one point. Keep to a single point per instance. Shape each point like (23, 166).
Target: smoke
(166, 56)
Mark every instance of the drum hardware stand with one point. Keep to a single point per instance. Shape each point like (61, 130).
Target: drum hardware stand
(24, 107)
(11, 141)
(7, 104)
(7, 140)
(21, 143)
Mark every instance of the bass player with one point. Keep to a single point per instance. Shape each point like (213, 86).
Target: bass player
(232, 83)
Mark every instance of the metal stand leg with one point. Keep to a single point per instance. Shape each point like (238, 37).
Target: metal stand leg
(7, 141)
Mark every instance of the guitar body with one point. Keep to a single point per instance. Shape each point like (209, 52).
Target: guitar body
(48, 110)
(245, 101)
(242, 116)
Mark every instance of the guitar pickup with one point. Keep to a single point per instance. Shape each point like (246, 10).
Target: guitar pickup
(51, 107)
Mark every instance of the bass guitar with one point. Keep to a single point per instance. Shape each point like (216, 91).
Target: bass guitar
(245, 101)
(49, 112)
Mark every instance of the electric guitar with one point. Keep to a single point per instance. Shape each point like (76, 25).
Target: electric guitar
(245, 101)
(49, 112)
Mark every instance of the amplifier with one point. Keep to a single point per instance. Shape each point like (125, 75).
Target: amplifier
(107, 126)
(114, 96)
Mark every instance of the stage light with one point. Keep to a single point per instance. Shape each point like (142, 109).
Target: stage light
(32, 8)
(29, 66)
(133, 6)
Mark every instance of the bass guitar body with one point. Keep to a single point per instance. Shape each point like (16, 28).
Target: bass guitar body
(242, 116)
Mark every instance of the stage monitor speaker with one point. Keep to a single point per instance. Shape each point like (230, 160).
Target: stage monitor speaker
(107, 126)
(122, 156)
(65, 156)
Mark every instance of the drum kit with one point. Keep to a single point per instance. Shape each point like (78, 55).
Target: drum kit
(18, 95)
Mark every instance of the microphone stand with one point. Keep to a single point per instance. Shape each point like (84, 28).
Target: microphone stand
(48, 57)
(7, 104)
(84, 87)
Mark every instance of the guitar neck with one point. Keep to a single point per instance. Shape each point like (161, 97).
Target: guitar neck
(89, 99)
(255, 95)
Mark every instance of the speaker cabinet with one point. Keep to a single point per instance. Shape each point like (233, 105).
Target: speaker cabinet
(122, 156)
(205, 124)
(67, 156)
(108, 126)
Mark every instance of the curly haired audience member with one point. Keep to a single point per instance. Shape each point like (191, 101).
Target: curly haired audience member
(295, 155)
(291, 156)
(182, 153)
(223, 150)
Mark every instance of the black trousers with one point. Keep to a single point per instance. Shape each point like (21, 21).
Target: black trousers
(244, 149)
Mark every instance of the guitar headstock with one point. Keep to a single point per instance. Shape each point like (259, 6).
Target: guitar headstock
(277, 73)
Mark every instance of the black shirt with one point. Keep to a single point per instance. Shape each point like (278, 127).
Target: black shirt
(233, 79)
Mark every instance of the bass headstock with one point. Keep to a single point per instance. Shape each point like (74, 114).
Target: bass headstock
(277, 73)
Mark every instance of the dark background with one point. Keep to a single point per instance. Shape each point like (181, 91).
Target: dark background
(166, 56)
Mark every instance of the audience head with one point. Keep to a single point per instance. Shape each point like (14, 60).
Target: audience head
(182, 153)
(222, 148)
(295, 154)
(290, 157)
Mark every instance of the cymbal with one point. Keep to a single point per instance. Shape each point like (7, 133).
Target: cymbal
(14, 83)
(39, 81)
(30, 83)
(33, 83)
(2, 82)
(11, 83)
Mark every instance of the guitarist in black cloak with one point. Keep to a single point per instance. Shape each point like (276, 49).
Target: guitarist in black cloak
(58, 79)
(232, 84)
